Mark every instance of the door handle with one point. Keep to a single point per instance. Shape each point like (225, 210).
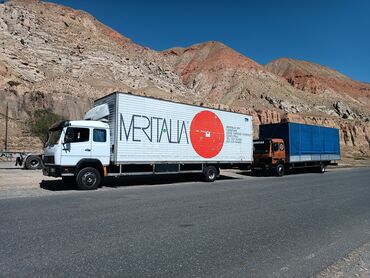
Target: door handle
(87, 150)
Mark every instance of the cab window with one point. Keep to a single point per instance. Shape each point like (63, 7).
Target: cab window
(76, 134)
(99, 135)
(261, 147)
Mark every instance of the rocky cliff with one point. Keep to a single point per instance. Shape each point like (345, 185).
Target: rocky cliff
(57, 57)
(349, 98)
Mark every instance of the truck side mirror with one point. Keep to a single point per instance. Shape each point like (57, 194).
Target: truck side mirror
(66, 146)
(67, 140)
(68, 136)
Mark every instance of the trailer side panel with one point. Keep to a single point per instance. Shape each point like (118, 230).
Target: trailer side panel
(148, 130)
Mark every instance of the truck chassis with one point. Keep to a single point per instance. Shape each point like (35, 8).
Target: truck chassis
(29, 161)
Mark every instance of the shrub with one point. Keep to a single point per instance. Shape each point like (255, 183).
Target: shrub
(41, 120)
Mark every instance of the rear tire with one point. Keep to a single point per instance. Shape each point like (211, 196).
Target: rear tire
(88, 179)
(280, 170)
(210, 173)
(33, 162)
(322, 168)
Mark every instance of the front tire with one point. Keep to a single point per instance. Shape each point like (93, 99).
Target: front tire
(280, 170)
(88, 179)
(210, 173)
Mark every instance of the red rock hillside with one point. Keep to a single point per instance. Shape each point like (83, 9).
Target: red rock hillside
(56, 57)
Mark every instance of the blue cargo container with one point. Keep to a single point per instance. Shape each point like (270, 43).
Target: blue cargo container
(305, 142)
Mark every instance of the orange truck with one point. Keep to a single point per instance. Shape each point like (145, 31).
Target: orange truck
(286, 146)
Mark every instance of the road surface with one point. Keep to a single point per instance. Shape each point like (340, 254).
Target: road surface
(294, 226)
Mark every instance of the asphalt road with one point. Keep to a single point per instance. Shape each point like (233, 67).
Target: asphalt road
(294, 226)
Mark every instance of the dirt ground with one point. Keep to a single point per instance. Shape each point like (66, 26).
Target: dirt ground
(17, 182)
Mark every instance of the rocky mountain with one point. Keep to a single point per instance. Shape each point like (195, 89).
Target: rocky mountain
(219, 74)
(57, 57)
(326, 84)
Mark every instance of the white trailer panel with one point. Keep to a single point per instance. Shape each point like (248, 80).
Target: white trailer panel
(147, 130)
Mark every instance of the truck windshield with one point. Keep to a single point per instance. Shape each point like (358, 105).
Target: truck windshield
(54, 137)
(261, 146)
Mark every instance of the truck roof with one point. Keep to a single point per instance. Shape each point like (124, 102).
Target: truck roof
(171, 101)
(86, 123)
(296, 124)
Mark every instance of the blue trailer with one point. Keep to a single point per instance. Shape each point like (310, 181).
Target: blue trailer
(285, 146)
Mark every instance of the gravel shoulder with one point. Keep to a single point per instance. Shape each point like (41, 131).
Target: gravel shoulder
(354, 264)
(17, 182)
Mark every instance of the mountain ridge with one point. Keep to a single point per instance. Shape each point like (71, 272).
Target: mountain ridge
(61, 58)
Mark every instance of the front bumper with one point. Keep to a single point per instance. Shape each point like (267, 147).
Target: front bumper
(262, 163)
(261, 166)
(52, 171)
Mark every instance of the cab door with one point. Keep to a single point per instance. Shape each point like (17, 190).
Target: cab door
(100, 146)
(76, 145)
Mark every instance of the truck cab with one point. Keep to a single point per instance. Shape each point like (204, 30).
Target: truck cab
(269, 154)
(76, 145)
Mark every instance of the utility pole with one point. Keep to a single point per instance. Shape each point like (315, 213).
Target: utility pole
(6, 127)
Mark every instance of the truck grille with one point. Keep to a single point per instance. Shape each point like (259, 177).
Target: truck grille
(49, 159)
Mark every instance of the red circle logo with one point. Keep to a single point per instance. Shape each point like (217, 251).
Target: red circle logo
(207, 134)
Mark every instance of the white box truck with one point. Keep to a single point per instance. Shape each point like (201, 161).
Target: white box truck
(124, 134)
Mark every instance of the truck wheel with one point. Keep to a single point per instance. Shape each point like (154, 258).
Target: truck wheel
(210, 173)
(33, 162)
(88, 178)
(322, 168)
(280, 170)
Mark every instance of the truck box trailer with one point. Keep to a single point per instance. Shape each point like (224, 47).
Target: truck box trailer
(125, 134)
(291, 145)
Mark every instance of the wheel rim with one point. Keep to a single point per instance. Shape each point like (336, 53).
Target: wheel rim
(34, 163)
(280, 169)
(322, 168)
(89, 179)
(211, 174)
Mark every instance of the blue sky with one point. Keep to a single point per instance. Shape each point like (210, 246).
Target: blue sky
(334, 33)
